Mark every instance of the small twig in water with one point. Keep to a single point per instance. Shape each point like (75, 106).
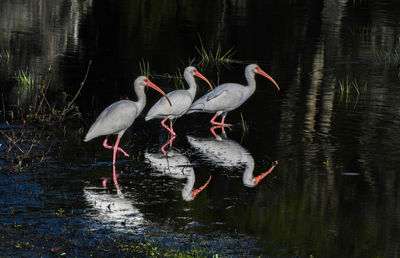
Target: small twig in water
(69, 106)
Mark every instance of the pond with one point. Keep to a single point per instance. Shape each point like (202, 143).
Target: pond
(333, 129)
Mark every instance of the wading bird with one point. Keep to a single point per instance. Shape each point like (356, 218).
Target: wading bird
(228, 153)
(181, 101)
(176, 165)
(229, 96)
(119, 116)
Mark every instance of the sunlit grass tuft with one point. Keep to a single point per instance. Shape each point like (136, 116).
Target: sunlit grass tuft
(24, 79)
(208, 56)
(245, 126)
(177, 79)
(347, 87)
(350, 91)
(144, 67)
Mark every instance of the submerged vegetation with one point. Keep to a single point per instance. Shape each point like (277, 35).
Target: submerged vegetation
(24, 79)
(350, 91)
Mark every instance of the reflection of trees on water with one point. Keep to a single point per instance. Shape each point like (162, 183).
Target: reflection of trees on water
(40, 33)
(328, 138)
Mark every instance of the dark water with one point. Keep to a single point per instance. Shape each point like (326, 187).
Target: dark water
(335, 190)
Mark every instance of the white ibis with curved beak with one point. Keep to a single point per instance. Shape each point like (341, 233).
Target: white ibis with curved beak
(119, 116)
(177, 165)
(228, 153)
(181, 100)
(229, 96)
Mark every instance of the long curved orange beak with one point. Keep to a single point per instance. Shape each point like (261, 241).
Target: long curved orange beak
(261, 176)
(197, 191)
(259, 71)
(202, 77)
(152, 85)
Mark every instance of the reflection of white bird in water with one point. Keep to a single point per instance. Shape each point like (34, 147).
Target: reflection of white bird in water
(113, 208)
(176, 165)
(228, 153)
(229, 96)
(181, 100)
(119, 116)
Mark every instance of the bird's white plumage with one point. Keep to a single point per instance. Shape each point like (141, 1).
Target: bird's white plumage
(227, 153)
(229, 96)
(115, 119)
(225, 97)
(181, 99)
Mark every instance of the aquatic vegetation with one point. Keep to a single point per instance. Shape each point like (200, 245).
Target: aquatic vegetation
(149, 248)
(350, 91)
(177, 79)
(389, 56)
(144, 67)
(24, 79)
(245, 127)
(208, 56)
(25, 141)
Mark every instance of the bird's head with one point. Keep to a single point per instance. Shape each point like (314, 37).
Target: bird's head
(144, 81)
(255, 69)
(194, 72)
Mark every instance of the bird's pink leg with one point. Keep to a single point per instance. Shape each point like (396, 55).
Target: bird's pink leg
(168, 142)
(223, 121)
(115, 177)
(166, 127)
(115, 149)
(212, 121)
(105, 145)
(172, 129)
(212, 129)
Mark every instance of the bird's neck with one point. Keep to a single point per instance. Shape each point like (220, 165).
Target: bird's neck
(251, 82)
(248, 177)
(141, 98)
(192, 85)
(187, 189)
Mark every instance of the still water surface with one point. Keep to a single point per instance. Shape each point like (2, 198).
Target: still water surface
(334, 127)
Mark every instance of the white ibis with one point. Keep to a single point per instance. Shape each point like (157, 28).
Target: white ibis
(177, 165)
(119, 116)
(228, 153)
(181, 100)
(228, 96)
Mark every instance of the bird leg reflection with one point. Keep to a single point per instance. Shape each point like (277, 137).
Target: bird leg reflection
(261, 176)
(105, 145)
(198, 190)
(212, 129)
(115, 176)
(170, 140)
